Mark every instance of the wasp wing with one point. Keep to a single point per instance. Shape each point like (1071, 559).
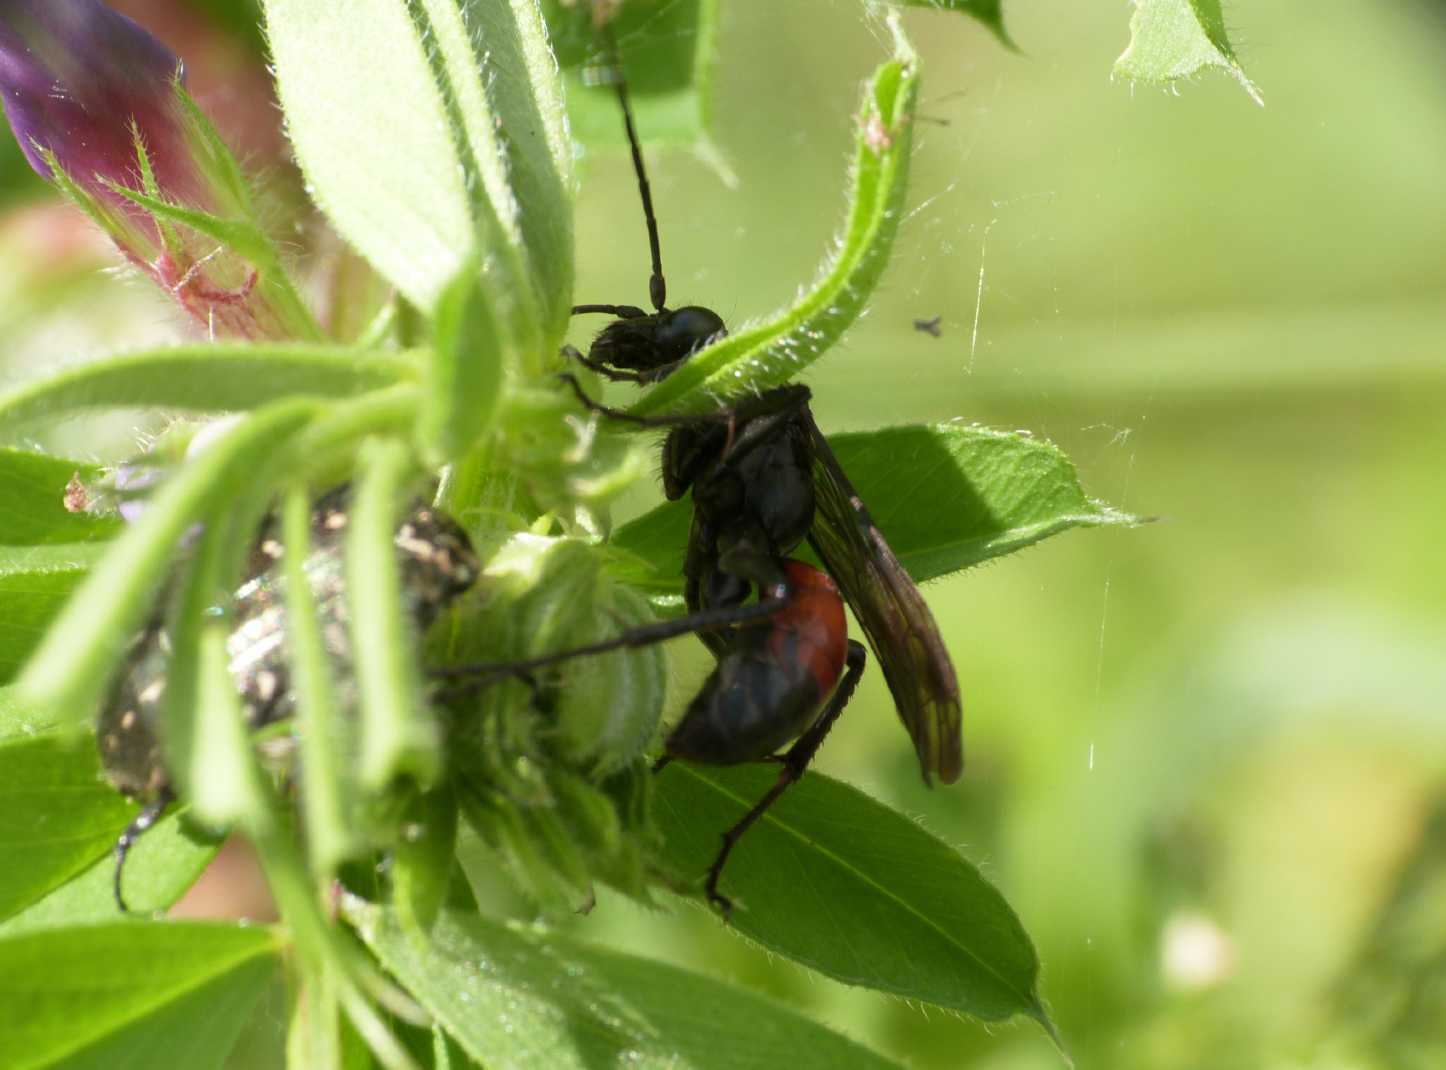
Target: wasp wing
(893, 613)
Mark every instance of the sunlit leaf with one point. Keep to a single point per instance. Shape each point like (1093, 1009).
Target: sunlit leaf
(214, 378)
(776, 350)
(834, 880)
(35, 582)
(397, 737)
(464, 374)
(969, 494)
(469, 99)
(161, 866)
(57, 815)
(153, 995)
(515, 997)
(1174, 39)
(33, 487)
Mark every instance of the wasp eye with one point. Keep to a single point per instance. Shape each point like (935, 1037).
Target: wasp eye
(684, 330)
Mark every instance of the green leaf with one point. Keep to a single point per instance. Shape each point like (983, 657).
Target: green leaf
(464, 375)
(35, 582)
(945, 496)
(986, 11)
(469, 98)
(398, 737)
(57, 815)
(668, 52)
(514, 997)
(210, 377)
(1174, 39)
(834, 880)
(774, 352)
(34, 487)
(126, 996)
(70, 670)
(161, 866)
(328, 786)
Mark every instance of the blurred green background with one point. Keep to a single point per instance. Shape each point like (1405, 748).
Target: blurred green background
(1205, 758)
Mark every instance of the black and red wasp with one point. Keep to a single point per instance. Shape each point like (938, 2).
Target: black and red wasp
(763, 480)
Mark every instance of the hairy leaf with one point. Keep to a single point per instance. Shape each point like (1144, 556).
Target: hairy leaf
(468, 97)
(33, 487)
(775, 351)
(153, 995)
(514, 997)
(834, 880)
(945, 496)
(214, 378)
(1174, 39)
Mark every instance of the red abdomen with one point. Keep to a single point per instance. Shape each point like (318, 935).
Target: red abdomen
(812, 628)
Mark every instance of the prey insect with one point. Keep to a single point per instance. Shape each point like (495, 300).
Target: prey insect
(763, 480)
(436, 563)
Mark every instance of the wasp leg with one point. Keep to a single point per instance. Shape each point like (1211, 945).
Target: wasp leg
(139, 826)
(794, 762)
(609, 373)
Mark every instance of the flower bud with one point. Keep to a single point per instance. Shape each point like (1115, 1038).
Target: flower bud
(98, 107)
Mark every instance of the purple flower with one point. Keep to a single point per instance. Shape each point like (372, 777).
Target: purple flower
(98, 108)
(81, 81)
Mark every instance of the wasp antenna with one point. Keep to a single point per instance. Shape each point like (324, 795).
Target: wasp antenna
(657, 285)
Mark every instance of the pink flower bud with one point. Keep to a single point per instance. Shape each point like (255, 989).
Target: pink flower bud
(80, 81)
(98, 107)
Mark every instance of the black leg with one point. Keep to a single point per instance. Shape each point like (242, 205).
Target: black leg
(139, 826)
(607, 372)
(795, 760)
(477, 675)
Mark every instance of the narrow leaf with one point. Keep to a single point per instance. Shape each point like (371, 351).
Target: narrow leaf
(474, 126)
(773, 352)
(1174, 39)
(328, 738)
(207, 378)
(37, 490)
(152, 995)
(945, 496)
(514, 997)
(57, 815)
(69, 671)
(398, 738)
(834, 880)
(464, 375)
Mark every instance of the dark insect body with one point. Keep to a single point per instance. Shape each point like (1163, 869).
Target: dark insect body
(436, 563)
(763, 480)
